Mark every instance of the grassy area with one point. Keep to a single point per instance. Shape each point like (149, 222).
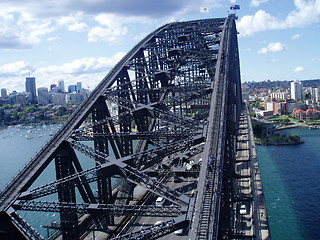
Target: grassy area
(278, 118)
(284, 118)
(291, 119)
(313, 122)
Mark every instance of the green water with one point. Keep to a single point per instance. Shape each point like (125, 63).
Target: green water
(291, 178)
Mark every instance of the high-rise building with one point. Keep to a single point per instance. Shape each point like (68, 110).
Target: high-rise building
(61, 86)
(315, 94)
(73, 98)
(59, 98)
(78, 87)
(4, 93)
(43, 96)
(296, 90)
(53, 88)
(21, 99)
(31, 88)
(72, 88)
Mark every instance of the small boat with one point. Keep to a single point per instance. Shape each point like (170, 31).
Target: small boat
(28, 137)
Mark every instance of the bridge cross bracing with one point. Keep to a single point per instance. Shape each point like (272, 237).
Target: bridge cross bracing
(160, 124)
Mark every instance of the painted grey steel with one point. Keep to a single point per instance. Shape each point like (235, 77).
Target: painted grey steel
(177, 96)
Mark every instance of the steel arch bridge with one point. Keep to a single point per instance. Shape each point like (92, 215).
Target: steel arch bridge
(161, 124)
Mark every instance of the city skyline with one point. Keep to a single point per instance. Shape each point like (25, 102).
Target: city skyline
(60, 85)
(81, 42)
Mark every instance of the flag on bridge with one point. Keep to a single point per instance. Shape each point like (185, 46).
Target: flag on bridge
(234, 7)
(204, 9)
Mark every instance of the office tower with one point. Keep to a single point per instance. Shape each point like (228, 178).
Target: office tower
(78, 86)
(59, 98)
(61, 86)
(53, 88)
(31, 88)
(315, 94)
(296, 90)
(21, 98)
(72, 88)
(43, 96)
(4, 93)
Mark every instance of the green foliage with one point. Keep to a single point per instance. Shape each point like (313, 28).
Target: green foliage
(258, 130)
(30, 109)
(285, 121)
(313, 122)
(12, 115)
(307, 95)
(258, 104)
(294, 138)
(264, 135)
(7, 107)
(61, 111)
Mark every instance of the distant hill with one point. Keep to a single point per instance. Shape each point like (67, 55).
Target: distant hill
(282, 84)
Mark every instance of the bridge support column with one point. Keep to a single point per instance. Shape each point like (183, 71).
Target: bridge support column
(66, 193)
(100, 112)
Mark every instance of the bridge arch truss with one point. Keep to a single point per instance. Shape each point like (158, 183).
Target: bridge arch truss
(161, 123)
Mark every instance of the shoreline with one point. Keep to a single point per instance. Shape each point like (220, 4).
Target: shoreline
(279, 143)
(28, 124)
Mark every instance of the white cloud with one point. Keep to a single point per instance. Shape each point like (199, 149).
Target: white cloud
(273, 47)
(116, 21)
(261, 21)
(25, 24)
(299, 69)
(68, 20)
(78, 27)
(306, 13)
(296, 36)
(83, 66)
(257, 3)
(112, 27)
(19, 31)
(73, 22)
(51, 39)
(110, 35)
(151, 9)
(19, 68)
(85, 69)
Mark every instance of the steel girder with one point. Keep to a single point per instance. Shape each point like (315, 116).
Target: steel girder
(157, 113)
(110, 209)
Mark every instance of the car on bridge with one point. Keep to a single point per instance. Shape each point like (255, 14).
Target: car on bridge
(243, 209)
(160, 201)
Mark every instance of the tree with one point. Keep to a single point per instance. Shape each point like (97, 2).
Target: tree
(258, 130)
(61, 111)
(307, 95)
(294, 138)
(284, 121)
(30, 109)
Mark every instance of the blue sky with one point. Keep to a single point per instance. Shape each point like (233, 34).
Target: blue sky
(82, 40)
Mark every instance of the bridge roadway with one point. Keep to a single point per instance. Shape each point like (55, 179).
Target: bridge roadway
(179, 88)
(248, 186)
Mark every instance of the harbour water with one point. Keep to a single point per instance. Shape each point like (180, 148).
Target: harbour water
(291, 179)
(290, 176)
